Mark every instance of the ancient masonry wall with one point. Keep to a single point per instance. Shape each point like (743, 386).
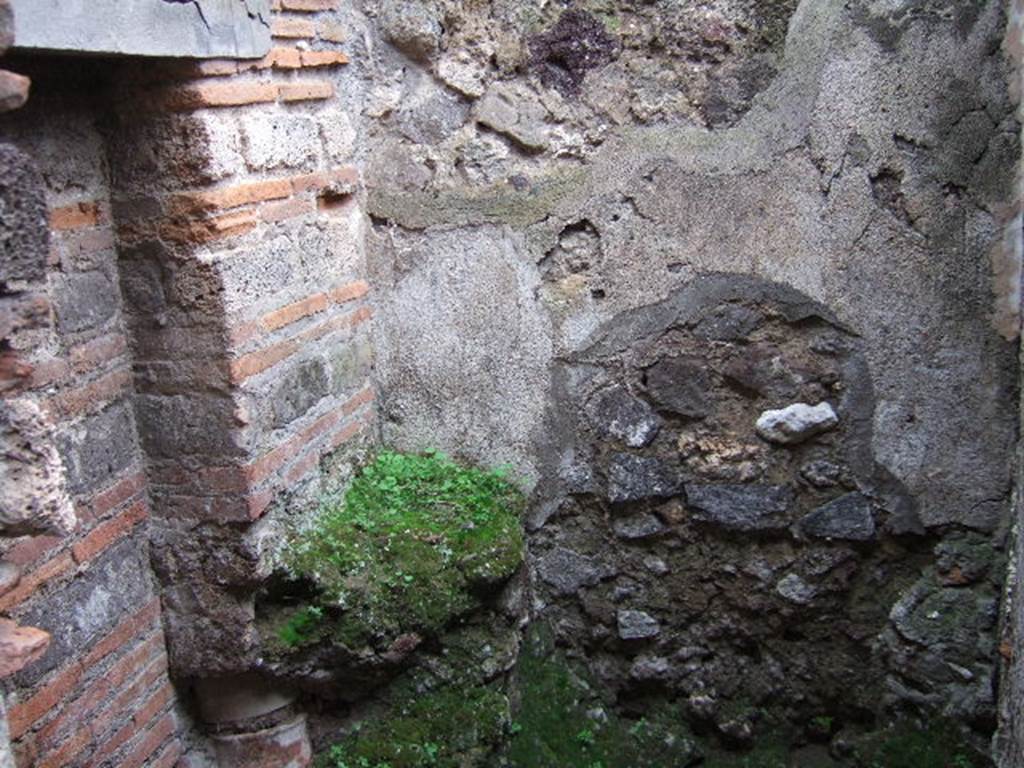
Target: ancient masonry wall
(205, 363)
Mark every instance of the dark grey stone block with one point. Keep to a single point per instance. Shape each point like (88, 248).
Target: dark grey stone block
(567, 571)
(631, 478)
(617, 414)
(85, 300)
(99, 448)
(24, 235)
(680, 386)
(848, 517)
(749, 507)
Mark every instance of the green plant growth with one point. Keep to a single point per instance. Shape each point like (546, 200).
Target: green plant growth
(416, 541)
(937, 746)
(561, 722)
(452, 727)
(302, 627)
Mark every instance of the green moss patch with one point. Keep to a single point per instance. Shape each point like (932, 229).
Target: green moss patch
(936, 746)
(453, 727)
(416, 541)
(561, 720)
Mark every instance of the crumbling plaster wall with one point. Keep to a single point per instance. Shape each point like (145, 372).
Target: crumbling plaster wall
(522, 211)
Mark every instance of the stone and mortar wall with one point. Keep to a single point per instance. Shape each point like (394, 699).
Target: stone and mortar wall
(204, 358)
(815, 191)
(535, 188)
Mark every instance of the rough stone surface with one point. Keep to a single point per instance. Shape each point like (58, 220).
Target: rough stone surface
(414, 28)
(298, 391)
(795, 589)
(637, 625)
(197, 28)
(568, 571)
(517, 113)
(24, 236)
(622, 416)
(85, 300)
(740, 507)
(640, 526)
(35, 498)
(679, 386)
(86, 609)
(562, 55)
(849, 517)
(20, 646)
(821, 473)
(796, 423)
(98, 448)
(631, 478)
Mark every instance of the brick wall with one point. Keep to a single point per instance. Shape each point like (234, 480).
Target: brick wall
(207, 363)
(100, 694)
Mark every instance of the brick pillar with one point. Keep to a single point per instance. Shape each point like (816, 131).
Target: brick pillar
(241, 264)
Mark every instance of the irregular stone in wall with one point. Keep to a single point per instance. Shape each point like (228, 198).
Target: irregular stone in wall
(433, 118)
(964, 559)
(515, 112)
(746, 507)
(24, 235)
(796, 423)
(947, 620)
(761, 370)
(85, 300)
(98, 448)
(795, 589)
(642, 526)
(821, 473)
(680, 386)
(637, 625)
(20, 646)
(849, 517)
(576, 44)
(13, 91)
(194, 28)
(35, 498)
(631, 478)
(621, 416)
(460, 73)
(412, 27)
(729, 322)
(298, 391)
(568, 571)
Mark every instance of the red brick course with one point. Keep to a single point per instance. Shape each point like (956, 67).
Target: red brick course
(292, 28)
(88, 213)
(107, 533)
(23, 715)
